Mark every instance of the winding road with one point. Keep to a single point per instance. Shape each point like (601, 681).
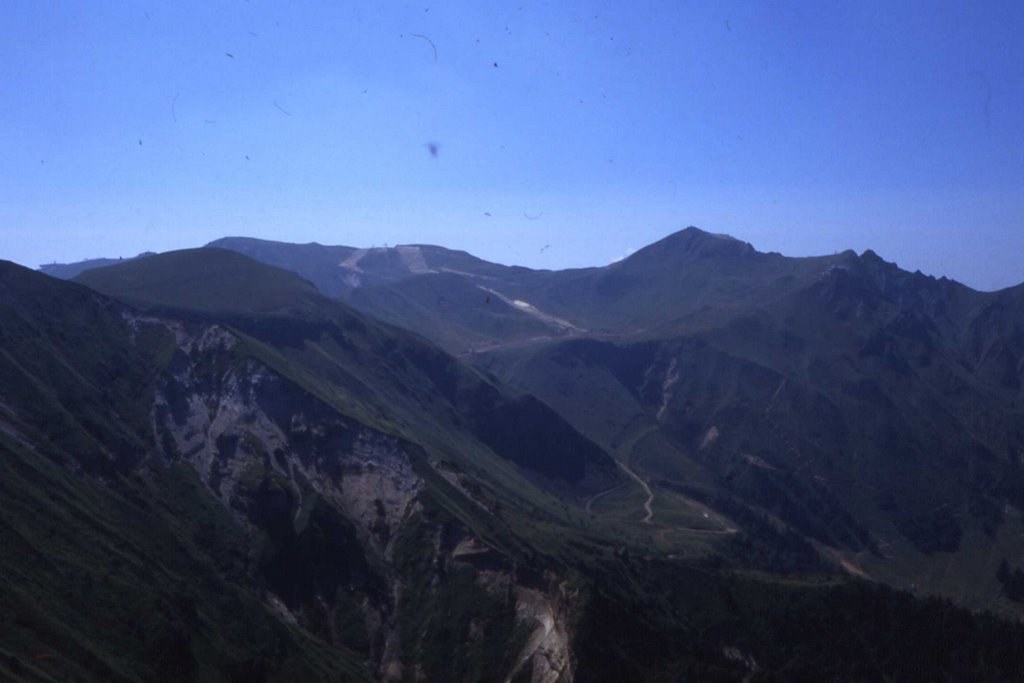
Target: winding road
(649, 511)
(647, 490)
(589, 506)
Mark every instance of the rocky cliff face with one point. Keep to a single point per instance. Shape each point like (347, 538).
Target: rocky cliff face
(344, 532)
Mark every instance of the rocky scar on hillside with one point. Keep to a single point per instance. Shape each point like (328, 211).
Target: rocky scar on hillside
(344, 531)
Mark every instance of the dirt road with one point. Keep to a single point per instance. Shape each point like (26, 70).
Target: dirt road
(647, 490)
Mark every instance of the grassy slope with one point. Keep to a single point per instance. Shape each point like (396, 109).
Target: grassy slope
(114, 571)
(382, 375)
(863, 357)
(643, 617)
(839, 335)
(135, 580)
(210, 280)
(450, 309)
(887, 394)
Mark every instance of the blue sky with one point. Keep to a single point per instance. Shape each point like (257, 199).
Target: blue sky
(567, 133)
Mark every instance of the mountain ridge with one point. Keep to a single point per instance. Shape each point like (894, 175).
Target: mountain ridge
(249, 244)
(264, 302)
(830, 344)
(586, 500)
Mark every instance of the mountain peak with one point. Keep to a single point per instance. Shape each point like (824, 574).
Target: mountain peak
(872, 256)
(690, 244)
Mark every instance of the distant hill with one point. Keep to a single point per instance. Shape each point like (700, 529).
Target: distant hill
(210, 280)
(66, 271)
(337, 271)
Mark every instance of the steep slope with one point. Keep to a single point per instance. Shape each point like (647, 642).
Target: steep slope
(871, 411)
(185, 500)
(116, 566)
(385, 376)
(376, 468)
(347, 540)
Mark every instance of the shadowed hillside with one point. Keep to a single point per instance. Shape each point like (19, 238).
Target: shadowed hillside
(688, 485)
(872, 410)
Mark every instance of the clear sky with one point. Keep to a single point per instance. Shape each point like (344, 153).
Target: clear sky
(566, 133)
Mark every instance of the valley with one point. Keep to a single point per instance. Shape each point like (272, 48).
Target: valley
(410, 464)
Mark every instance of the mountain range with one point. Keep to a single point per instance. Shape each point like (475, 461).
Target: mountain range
(877, 413)
(268, 461)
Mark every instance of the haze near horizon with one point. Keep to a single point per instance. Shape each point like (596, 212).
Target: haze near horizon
(536, 134)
